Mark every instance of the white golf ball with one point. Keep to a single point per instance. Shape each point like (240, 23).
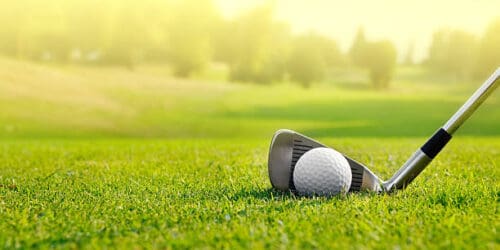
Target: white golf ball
(322, 171)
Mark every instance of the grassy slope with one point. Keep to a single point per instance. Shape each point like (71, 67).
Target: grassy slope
(88, 188)
(47, 101)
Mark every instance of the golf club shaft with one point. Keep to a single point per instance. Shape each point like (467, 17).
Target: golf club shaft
(473, 103)
(423, 156)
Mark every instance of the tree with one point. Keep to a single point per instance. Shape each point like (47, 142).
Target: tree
(452, 52)
(124, 46)
(11, 34)
(357, 49)
(311, 57)
(34, 30)
(378, 57)
(189, 35)
(410, 51)
(254, 46)
(489, 50)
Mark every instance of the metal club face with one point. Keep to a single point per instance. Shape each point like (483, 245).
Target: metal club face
(288, 146)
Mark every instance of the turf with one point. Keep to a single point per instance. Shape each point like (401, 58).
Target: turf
(185, 193)
(94, 158)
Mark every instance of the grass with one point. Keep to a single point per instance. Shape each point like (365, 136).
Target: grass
(215, 193)
(42, 101)
(97, 158)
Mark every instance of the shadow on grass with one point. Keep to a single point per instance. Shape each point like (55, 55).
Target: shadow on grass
(271, 194)
(354, 85)
(374, 118)
(262, 194)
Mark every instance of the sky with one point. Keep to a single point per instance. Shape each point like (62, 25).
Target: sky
(403, 22)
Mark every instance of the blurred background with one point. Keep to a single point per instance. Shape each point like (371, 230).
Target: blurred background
(226, 69)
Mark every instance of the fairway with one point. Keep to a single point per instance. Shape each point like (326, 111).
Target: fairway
(106, 157)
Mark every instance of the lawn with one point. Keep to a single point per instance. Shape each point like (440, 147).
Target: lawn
(113, 158)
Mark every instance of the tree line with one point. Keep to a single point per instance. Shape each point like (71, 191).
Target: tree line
(189, 34)
(464, 55)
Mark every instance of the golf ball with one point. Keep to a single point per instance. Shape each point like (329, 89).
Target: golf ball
(322, 171)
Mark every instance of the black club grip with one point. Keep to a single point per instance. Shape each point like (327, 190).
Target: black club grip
(436, 143)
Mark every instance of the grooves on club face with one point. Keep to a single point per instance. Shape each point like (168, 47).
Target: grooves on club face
(288, 146)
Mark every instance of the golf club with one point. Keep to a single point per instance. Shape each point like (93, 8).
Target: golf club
(288, 146)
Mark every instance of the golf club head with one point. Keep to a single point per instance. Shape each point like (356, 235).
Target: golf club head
(288, 146)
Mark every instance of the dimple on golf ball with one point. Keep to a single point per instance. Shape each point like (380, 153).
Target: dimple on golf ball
(322, 171)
